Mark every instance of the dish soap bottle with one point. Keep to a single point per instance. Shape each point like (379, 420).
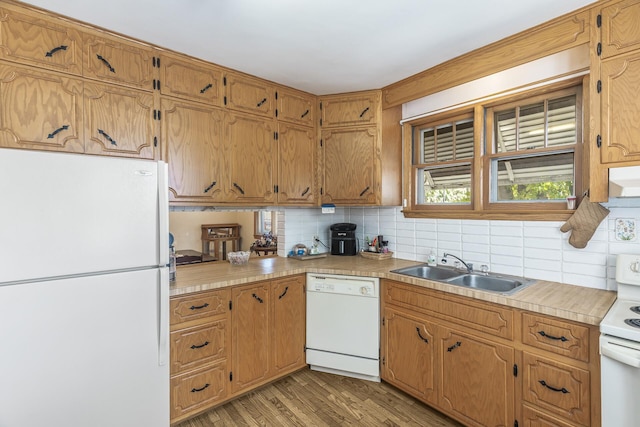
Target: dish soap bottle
(431, 259)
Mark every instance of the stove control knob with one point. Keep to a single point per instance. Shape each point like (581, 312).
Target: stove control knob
(635, 267)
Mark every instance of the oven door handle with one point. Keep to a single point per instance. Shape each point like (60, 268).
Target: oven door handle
(621, 354)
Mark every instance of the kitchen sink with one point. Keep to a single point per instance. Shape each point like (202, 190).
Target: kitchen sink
(505, 285)
(427, 272)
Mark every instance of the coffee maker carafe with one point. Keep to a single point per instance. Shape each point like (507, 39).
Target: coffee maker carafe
(343, 239)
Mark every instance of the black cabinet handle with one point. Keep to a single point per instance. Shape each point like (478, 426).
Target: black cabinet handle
(559, 390)
(304, 114)
(198, 307)
(551, 337)
(54, 50)
(284, 293)
(262, 102)
(206, 190)
(108, 138)
(194, 347)
(364, 191)
(195, 390)
(260, 300)
(206, 88)
(305, 192)
(453, 347)
(364, 111)
(55, 132)
(239, 188)
(105, 62)
(420, 335)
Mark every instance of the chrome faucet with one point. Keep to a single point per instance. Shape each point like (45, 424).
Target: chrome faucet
(469, 265)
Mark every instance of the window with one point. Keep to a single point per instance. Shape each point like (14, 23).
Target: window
(265, 223)
(515, 155)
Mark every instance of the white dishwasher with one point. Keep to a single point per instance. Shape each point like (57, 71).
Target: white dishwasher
(343, 325)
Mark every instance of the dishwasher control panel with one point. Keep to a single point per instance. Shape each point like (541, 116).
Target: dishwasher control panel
(345, 285)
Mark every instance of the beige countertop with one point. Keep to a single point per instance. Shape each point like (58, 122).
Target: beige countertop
(577, 303)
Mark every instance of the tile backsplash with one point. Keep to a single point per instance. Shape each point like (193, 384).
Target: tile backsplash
(535, 249)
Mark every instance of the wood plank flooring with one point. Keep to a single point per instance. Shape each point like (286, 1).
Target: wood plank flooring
(311, 398)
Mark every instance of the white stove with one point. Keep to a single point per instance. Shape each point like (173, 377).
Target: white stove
(620, 348)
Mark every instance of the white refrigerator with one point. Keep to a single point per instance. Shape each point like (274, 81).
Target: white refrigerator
(84, 291)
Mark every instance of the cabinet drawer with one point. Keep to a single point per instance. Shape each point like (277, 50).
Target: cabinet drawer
(198, 390)
(556, 336)
(557, 388)
(533, 418)
(492, 319)
(198, 306)
(197, 346)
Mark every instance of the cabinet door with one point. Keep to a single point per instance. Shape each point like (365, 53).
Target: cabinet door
(249, 95)
(250, 336)
(297, 165)
(620, 29)
(350, 110)
(295, 107)
(253, 159)
(40, 42)
(620, 107)
(351, 166)
(40, 110)
(117, 61)
(119, 122)
(409, 354)
(288, 324)
(190, 80)
(469, 364)
(194, 146)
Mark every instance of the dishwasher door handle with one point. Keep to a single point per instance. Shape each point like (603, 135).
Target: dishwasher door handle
(621, 354)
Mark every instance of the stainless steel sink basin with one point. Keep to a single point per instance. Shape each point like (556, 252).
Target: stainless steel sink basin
(505, 285)
(431, 273)
(490, 283)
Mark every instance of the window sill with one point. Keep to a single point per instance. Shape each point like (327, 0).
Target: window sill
(505, 215)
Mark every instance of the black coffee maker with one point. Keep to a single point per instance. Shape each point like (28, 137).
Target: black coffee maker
(343, 239)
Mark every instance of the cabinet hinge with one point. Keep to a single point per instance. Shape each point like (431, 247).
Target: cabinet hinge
(230, 376)
(275, 189)
(276, 95)
(321, 191)
(225, 100)
(599, 86)
(599, 48)
(156, 84)
(383, 321)
(230, 305)
(320, 106)
(155, 141)
(515, 423)
(598, 141)
(599, 21)
(224, 80)
(383, 361)
(515, 370)
(320, 122)
(156, 115)
(275, 136)
(320, 143)
(276, 112)
(156, 62)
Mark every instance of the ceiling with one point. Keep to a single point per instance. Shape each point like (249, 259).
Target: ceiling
(319, 46)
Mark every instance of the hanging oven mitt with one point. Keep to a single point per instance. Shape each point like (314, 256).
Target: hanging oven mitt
(584, 222)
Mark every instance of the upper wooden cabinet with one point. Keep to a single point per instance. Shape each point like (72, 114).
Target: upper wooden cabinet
(295, 107)
(350, 109)
(191, 79)
(40, 110)
(119, 122)
(40, 42)
(296, 184)
(620, 29)
(118, 61)
(249, 95)
(194, 146)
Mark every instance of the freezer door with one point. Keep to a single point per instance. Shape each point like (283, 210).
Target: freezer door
(65, 214)
(86, 351)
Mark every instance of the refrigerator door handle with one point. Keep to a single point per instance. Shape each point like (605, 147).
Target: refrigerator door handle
(163, 212)
(163, 317)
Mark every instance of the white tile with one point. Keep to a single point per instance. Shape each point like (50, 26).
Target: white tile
(475, 247)
(582, 280)
(475, 229)
(584, 269)
(499, 259)
(449, 237)
(585, 257)
(542, 254)
(540, 243)
(543, 264)
(515, 242)
(553, 276)
(449, 227)
(453, 247)
(507, 269)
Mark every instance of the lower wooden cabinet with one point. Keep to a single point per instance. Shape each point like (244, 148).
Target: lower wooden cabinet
(226, 342)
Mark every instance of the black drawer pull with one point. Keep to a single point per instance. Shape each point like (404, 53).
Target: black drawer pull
(206, 88)
(105, 62)
(107, 137)
(420, 335)
(195, 390)
(239, 188)
(551, 337)
(54, 50)
(262, 102)
(55, 132)
(304, 114)
(260, 300)
(364, 191)
(194, 347)
(305, 192)
(206, 190)
(453, 347)
(198, 307)
(284, 293)
(563, 390)
(364, 111)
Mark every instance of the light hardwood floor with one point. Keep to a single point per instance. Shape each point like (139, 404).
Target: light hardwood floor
(310, 398)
